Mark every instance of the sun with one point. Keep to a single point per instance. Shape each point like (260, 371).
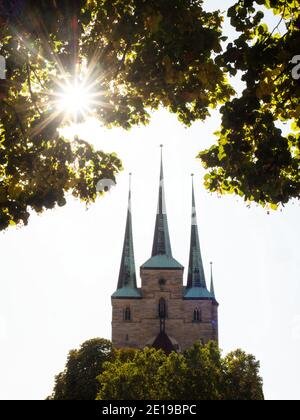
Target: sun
(74, 100)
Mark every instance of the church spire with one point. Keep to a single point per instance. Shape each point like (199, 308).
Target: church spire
(161, 242)
(212, 288)
(127, 286)
(161, 250)
(196, 276)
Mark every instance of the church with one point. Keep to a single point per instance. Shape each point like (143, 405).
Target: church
(163, 313)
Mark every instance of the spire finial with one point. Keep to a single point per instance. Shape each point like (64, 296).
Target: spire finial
(129, 194)
(161, 162)
(194, 213)
(130, 180)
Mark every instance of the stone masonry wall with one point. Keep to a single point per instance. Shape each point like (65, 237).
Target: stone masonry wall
(145, 325)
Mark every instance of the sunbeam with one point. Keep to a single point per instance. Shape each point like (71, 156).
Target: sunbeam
(74, 100)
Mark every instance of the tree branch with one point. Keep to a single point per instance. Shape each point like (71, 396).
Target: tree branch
(279, 23)
(30, 88)
(122, 61)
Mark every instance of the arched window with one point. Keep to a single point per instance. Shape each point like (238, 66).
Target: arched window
(127, 314)
(162, 308)
(197, 315)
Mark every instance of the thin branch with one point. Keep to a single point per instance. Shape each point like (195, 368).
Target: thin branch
(37, 76)
(122, 61)
(279, 23)
(30, 89)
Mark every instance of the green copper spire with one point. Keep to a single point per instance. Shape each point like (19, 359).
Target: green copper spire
(196, 277)
(212, 288)
(127, 286)
(161, 242)
(161, 251)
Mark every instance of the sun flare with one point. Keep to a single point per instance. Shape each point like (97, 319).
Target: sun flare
(74, 100)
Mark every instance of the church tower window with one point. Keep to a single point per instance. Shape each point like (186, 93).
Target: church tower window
(162, 309)
(127, 314)
(162, 283)
(197, 315)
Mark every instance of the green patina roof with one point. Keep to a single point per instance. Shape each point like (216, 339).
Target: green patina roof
(161, 241)
(198, 293)
(127, 292)
(196, 284)
(127, 286)
(161, 250)
(162, 261)
(196, 276)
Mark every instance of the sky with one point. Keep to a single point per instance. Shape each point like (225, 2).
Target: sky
(57, 274)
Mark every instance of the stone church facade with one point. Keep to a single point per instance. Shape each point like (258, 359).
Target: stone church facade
(163, 312)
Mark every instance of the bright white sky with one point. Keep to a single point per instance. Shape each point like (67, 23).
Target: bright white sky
(59, 272)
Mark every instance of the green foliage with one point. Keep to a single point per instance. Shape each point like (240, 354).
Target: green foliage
(198, 374)
(155, 53)
(134, 378)
(242, 380)
(142, 55)
(78, 380)
(253, 158)
(204, 379)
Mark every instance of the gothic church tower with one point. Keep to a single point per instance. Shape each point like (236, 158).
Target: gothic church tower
(163, 313)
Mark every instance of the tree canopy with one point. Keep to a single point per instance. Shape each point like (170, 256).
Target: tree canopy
(134, 57)
(200, 373)
(78, 380)
(253, 158)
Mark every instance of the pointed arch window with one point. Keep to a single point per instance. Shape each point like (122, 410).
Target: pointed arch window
(127, 314)
(197, 317)
(162, 309)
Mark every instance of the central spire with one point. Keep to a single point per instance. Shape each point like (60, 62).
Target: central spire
(161, 242)
(161, 250)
